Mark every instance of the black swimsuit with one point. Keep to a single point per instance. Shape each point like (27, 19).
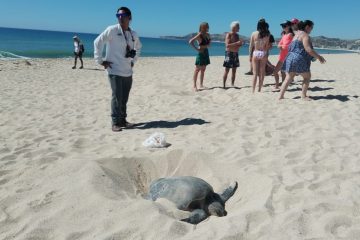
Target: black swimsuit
(202, 58)
(204, 41)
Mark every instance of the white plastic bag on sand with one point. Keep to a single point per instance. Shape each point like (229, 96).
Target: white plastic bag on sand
(156, 140)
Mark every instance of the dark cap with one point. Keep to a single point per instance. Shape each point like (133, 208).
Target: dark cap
(286, 23)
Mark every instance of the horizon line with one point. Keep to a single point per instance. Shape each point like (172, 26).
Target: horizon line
(46, 30)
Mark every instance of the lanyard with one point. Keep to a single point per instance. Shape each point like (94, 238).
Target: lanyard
(132, 37)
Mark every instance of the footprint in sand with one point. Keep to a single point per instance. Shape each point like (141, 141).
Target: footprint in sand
(39, 233)
(38, 204)
(339, 226)
(3, 215)
(8, 158)
(76, 235)
(22, 151)
(178, 229)
(23, 147)
(10, 163)
(48, 159)
(4, 181)
(255, 219)
(40, 139)
(306, 173)
(21, 190)
(81, 143)
(297, 186)
(4, 150)
(4, 172)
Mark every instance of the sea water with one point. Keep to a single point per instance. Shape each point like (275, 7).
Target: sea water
(26, 43)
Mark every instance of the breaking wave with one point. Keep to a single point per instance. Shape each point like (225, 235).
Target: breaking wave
(10, 56)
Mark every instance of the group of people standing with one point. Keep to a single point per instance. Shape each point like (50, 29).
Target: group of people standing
(296, 54)
(123, 48)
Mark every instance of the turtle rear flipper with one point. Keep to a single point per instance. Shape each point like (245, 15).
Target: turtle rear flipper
(228, 192)
(196, 216)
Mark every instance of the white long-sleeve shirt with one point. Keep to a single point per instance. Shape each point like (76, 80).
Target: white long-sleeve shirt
(116, 44)
(76, 47)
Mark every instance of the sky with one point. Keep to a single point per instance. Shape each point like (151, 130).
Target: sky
(154, 18)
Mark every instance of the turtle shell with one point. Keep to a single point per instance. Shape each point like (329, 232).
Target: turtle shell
(188, 193)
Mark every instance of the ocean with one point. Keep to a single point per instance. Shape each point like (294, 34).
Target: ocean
(26, 43)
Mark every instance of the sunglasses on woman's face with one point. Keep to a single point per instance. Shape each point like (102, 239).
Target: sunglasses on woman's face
(118, 15)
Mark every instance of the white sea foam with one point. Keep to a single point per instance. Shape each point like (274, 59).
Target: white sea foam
(10, 56)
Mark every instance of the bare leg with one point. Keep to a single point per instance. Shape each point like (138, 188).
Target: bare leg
(305, 85)
(262, 72)
(196, 72)
(289, 78)
(255, 67)
(82, 64)
(233, 76)
(276, 74)
(225, 76)
(202, 73)
(75, 62)
(251, 69)
(283, 75)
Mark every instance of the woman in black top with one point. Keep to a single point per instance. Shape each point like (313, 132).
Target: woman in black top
(202, 59)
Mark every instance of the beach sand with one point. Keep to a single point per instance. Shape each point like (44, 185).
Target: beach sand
(65, 175)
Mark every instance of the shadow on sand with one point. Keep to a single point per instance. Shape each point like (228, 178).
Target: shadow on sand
(299, 82)
(322, 80)
(94, 69)
(226, 88)
(341, 98)
(168, 124)
(313, 89)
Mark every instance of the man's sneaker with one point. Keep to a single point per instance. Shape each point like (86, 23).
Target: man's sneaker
(116, 128)
(249, 73)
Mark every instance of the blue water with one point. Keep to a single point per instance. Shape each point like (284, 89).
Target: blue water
(18, 43)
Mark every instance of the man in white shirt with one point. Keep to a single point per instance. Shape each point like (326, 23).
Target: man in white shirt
(123, 48)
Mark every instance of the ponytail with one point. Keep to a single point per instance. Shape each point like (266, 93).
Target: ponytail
(302, 24)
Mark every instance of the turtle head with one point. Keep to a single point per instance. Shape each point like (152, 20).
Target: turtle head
(217, 209)
(216, 206)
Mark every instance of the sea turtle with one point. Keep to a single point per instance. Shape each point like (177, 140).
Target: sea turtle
(192, 194)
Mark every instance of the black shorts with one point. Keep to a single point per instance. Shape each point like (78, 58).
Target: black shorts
(78, 54)
(231, 60)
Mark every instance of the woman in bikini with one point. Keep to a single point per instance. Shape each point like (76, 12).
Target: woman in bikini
(259, 43)
(202, 59)
(232, 44)
(299, 58)
(283, 45)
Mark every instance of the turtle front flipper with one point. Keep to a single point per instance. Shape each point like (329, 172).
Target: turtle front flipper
(196, 216)
(228, 192)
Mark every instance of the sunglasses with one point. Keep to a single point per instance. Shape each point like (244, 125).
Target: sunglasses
(122, 15)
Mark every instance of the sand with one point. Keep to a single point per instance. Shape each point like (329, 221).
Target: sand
(65, 175)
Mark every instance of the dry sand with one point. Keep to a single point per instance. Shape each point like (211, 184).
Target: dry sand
(65, 175)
